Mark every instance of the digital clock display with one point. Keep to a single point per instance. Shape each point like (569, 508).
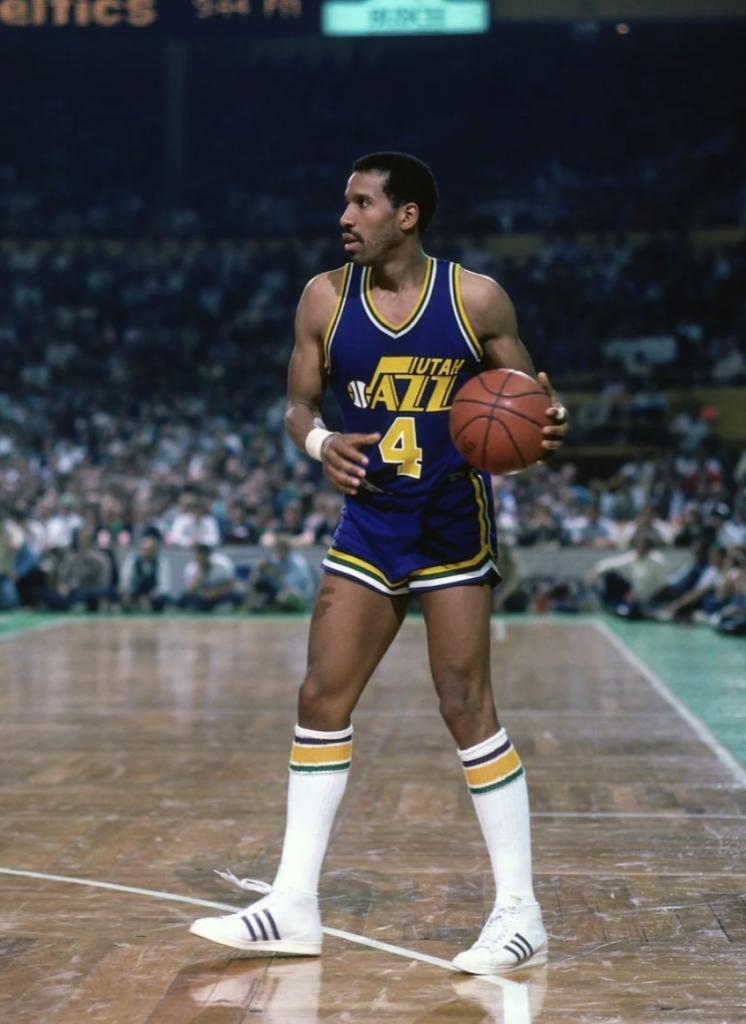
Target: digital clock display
(404, 17)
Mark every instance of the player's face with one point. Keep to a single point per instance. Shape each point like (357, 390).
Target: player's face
(370, 224)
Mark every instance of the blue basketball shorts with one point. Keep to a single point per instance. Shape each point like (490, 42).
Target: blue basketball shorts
(397, 544)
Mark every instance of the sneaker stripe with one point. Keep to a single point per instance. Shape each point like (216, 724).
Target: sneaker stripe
(519, 954)
(272, 922)
(520, 948)
(260, 924)
(247, 922)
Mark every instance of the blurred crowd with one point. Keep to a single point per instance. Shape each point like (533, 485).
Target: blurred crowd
(158, 229)
(127, 324)
(247, 514)
(254, 146)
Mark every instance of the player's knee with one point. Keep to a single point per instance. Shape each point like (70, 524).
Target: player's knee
(464, 703)
(322, 708)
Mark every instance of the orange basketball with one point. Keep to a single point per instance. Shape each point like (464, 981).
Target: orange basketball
(496, 421)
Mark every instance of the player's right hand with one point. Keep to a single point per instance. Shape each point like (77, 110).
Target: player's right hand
(344, 464)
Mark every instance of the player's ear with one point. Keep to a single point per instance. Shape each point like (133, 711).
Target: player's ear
(409, 214)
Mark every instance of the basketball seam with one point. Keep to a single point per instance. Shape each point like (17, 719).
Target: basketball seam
(504, 427)
(493, 407)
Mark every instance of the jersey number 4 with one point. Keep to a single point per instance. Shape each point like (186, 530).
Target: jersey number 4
(398, 446)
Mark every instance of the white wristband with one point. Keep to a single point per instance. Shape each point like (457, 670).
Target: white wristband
(315, 440)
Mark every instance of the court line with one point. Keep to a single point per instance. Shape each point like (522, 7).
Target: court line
(697, 726)
(624, 815)
(360, 940)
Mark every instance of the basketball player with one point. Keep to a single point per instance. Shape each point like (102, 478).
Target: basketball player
(394, 334)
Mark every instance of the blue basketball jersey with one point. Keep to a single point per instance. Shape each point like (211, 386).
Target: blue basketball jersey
(400, 380)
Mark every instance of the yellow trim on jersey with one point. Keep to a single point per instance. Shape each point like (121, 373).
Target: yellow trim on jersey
(346, 274)
(419, 305)
(485, 552)
(362, 570)
(461, 312)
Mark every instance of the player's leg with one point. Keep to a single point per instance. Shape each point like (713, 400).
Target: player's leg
(351, 629)
(458, 628)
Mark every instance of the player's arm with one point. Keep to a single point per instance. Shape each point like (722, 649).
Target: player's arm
(344, 463)
(493, 319)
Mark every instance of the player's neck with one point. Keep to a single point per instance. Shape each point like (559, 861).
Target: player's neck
(401, 272)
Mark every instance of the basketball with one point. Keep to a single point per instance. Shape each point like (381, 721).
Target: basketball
(496, 421)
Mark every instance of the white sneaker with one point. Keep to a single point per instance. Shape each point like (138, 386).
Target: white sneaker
(513, 936)
(282, 922)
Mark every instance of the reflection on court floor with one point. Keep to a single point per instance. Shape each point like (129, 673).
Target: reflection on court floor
(137, 757)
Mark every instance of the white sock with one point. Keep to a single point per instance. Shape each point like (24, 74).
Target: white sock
(497, 783)
(319, 767)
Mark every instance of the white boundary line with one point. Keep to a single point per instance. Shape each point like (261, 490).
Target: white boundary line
(697, 726)
(625, 815)
(361, 940)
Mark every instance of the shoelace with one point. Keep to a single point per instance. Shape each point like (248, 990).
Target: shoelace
(500, 926)
(248, 884)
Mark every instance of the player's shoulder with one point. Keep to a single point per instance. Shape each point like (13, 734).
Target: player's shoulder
(320, 299)
(480, 287)
(326, 285)
(484, 298)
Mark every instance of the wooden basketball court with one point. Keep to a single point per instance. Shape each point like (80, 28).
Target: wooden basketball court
(138, 756)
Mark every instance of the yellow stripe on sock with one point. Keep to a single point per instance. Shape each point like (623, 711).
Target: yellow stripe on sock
(321, 755)
(493, 771)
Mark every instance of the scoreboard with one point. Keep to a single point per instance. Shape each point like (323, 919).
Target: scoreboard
(245, 17)
(178, 17)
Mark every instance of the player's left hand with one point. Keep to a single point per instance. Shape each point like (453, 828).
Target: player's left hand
(554, 434)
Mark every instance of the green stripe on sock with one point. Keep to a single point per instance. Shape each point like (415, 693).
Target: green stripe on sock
(477, 790)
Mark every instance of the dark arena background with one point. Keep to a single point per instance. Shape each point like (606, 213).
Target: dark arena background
(171, 174)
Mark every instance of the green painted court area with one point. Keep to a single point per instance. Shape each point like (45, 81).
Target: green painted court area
(707, 672)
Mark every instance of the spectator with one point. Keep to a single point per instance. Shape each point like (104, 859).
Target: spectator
(627, 582)
(27, 566)
(237, 526)
(193, 523)
(685, 577)
(589, 528)
(703, 593)
(692, 425)
(210, 581)
(543, 529)
(283, 581)
(321, 522)
(83, 577)
(648, 520)
(63, 523)
(727, 526)
(146, 576)
(11, 540)
(691, 528)
(730, 618)
(729, 365)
